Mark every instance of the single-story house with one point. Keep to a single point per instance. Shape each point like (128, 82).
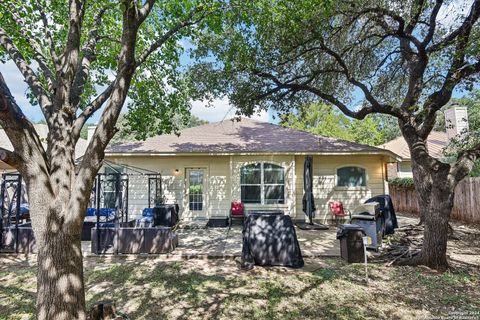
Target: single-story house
(437, 141)
(209, 166)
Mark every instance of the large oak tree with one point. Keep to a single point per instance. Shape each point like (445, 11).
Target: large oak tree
(80, 57)
(400, 58)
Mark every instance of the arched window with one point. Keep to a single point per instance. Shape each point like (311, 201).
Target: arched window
(262, 183)
(351, 177)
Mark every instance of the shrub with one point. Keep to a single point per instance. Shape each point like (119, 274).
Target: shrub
(402, 182)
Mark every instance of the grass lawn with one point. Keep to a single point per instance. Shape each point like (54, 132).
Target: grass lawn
(327, 288)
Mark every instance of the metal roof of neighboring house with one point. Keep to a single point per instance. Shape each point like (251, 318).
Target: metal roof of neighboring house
(245, 136)
(42, 131)
(436, 142)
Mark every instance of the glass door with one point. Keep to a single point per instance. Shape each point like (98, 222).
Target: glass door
(196, 191)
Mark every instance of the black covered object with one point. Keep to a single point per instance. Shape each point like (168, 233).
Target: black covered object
(351, 242)
(386, 206)
(87, 230)
(128, 240)
(165, 215)
(19, 239)
(270, 240)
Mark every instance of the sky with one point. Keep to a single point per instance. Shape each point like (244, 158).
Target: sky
(221, 109)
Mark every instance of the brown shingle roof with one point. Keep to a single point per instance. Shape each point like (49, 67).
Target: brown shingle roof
(436, 142)
(242, 137)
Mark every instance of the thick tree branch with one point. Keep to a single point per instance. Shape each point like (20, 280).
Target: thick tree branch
(21, 133)
(415, 13)
(400, 31)
(38, 55)
(464, 163)
(48, 34)
(93, 107)
(10, 158)
(305, 86)
(70, 57)
(441, 97)
(94, 154)
(463, 29)
(432, 23)
(350, 78)
(145, 10)
(29, 75)
(88, 56)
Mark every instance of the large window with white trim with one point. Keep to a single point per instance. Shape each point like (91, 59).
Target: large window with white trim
(262, 183)
(351, 176)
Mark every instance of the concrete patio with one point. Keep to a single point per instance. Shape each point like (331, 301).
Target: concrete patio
(224, 243)
(197, 241)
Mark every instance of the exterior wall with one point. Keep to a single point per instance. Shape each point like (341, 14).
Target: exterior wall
(286, 161)
(173, 183)
(324, 179)
(399, 170)
(392, 171)
(223, 182)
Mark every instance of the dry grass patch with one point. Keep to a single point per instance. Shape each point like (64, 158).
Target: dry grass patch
(217, 289)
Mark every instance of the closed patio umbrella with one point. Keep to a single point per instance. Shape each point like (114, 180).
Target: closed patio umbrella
(308, 200)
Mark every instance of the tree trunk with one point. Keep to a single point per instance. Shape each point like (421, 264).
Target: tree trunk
(60, 287)
(437, 216)
(436, 195)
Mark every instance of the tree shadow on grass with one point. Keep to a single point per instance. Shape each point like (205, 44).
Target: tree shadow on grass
(16, 301)
(168, 290)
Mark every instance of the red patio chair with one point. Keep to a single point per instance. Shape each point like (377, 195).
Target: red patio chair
(338, 211)
(237, 211)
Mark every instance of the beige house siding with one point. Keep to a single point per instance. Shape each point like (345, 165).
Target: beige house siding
(324, 179)
(173, 183)
(223, 181)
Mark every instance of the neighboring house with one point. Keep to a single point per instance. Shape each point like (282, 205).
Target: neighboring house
(436, 142)
(456, 123)
(42, 131)
(209, 166)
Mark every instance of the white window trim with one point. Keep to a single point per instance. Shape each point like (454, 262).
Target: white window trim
(262, 183)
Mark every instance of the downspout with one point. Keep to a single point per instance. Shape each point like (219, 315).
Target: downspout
(384, 164)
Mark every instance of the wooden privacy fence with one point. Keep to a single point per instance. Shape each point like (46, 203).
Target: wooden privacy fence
(466, 206)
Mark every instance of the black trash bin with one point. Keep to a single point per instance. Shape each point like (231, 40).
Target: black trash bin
(165, 215)
(351, 242)
(369, 217)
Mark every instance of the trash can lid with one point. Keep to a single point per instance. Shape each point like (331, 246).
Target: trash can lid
(344, 229)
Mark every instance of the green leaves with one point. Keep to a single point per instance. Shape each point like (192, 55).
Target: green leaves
(159, 97)
(326, 120)
(402, 182)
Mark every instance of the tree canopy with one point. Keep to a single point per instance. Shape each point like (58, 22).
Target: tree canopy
(326, 120)
(38, 30)
(399, 58)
